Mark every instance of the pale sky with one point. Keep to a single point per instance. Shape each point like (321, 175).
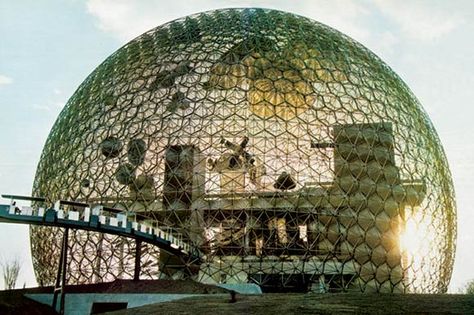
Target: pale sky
(48, 48)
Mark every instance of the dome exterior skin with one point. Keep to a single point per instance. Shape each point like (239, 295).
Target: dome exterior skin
(288, 153)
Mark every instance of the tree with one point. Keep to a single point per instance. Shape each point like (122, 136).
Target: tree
(10, 270)
(469, 287)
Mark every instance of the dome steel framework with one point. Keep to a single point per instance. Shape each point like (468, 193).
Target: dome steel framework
(288, 153)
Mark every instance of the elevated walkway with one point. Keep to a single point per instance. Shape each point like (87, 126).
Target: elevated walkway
(99, 219)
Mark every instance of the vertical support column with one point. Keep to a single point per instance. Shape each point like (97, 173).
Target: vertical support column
(97, 273)
(60, 285)
(138, 254)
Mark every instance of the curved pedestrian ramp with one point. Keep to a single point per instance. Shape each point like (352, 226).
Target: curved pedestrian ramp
(98, 219)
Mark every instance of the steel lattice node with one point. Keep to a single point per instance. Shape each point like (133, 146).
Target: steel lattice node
(287, 153)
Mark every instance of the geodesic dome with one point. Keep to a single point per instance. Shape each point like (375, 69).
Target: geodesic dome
(288, 153)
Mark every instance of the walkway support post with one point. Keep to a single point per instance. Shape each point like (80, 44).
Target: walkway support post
(138, 254)
(60, 285)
